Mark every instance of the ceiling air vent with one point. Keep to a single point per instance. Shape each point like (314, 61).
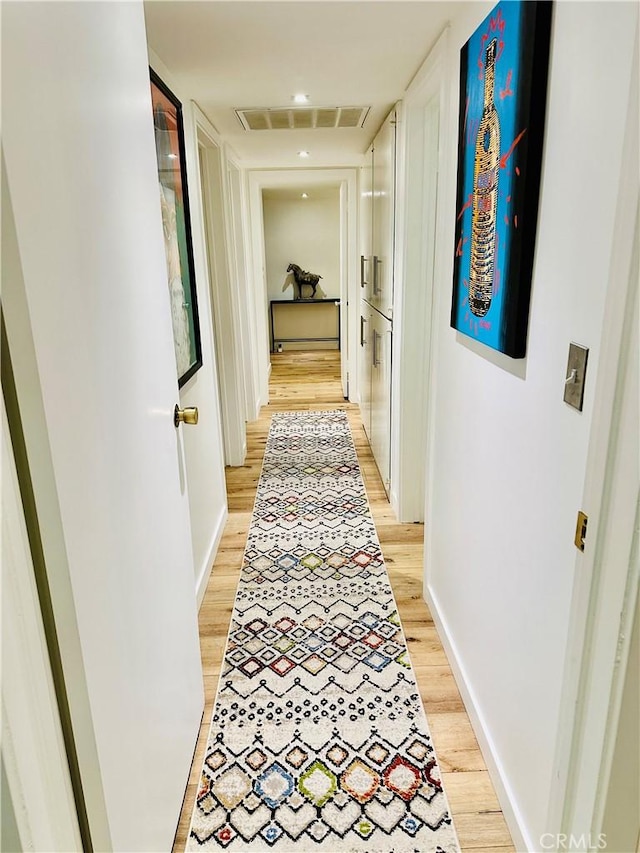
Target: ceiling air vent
(302, 118)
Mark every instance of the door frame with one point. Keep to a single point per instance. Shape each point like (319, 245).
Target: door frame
(277, 179)
(45, 803)
(605, 579)
(239, 234)
(345, 342)
(225, 306)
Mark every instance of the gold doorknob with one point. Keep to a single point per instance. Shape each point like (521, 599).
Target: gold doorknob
(185, 416)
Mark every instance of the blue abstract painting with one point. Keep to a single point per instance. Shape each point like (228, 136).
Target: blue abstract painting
(503, 89)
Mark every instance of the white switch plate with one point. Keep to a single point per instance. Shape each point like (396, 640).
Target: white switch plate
(574, 379)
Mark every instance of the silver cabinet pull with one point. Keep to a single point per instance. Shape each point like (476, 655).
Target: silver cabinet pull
(376, 276)
(362, 338)
(376, 338)
(363, 280)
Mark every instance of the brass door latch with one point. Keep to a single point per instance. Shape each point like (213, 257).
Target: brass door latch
(581, 530)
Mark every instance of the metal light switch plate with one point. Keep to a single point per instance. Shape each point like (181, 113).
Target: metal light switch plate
(574, 380)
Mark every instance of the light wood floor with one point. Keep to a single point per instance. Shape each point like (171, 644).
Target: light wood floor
(311, 380)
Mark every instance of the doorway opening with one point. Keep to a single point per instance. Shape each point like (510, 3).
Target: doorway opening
(302, 243)
(321, 228)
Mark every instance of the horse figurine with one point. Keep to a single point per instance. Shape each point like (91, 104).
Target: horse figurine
(303, 278)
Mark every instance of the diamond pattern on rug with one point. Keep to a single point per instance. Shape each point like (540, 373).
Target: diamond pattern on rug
(318, 739)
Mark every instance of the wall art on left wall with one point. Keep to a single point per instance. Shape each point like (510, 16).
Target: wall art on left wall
(176, 222)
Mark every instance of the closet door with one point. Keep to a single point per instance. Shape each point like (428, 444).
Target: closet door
(366, 227)
(384, 216)
(365, 362)
(380, 437)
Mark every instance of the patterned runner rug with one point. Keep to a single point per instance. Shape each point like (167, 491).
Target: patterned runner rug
(318, 739)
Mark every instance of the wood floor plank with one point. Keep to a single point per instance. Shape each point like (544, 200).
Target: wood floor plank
(482, 830)
(308, 381)
(509, 849)
(471, 792)
(455, 742)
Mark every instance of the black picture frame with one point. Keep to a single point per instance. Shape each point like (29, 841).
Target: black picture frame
(176, 220)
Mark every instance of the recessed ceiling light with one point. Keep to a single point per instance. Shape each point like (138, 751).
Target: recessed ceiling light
(303, 154)
(301, 99)
(305, 195)
(172, 156)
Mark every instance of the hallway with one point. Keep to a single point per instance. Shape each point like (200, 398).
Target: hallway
(123, 507)
(306, 381)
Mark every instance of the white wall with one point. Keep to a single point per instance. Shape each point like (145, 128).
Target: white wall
(304, 232)
(507, 475)
(204, 452)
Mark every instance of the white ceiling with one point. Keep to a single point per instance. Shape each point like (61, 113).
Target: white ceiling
(233, 54)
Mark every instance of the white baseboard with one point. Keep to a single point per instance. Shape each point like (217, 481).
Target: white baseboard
(205, 570)
(521, 838)
(395, 504)
(239, 457)
(411, 516)
(254, 410)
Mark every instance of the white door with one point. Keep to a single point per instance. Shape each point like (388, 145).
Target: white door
(416, 246)
(384, 176)
(381, 395)
(364, 365)
(89, 328)
(366, 226)
(365, 290)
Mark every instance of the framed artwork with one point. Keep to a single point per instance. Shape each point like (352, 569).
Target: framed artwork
(503, 92)
(174, 201)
